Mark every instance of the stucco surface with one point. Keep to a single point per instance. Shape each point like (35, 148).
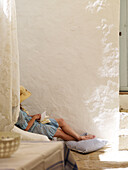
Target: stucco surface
(69, 61)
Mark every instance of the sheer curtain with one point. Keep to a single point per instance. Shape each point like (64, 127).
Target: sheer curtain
(9, 66)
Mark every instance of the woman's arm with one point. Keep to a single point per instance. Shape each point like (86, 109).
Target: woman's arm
(30, 123)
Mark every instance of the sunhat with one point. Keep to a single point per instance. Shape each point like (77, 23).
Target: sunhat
(24, 94)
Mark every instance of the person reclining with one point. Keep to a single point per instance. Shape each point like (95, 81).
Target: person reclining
(55, 128)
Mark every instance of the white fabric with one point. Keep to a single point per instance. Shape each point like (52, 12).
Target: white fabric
(9, 66)
(36, 156)
(28, 136)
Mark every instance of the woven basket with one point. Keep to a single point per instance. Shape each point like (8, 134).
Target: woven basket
(9, 143)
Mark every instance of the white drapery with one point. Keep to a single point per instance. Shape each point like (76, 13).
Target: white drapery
(9, 66)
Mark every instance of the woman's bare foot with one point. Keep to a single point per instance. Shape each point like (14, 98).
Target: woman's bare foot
(87, 137)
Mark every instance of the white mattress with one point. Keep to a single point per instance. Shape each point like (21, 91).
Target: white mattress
(36, 156)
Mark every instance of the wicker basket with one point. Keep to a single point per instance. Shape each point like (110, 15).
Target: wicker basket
(9, 143)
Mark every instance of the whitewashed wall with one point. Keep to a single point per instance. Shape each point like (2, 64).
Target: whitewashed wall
(69, 61)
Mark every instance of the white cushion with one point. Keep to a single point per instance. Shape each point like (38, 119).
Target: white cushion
(28, 136)
(86, 146)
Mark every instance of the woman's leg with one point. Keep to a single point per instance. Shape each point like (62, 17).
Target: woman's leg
(70, 132)
(61, 134)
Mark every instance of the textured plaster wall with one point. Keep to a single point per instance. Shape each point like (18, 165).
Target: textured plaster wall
(69, 61)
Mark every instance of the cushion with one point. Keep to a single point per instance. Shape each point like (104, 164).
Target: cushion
(28, 136)
(86, 146)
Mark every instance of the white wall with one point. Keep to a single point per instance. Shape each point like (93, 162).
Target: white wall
(69, 61)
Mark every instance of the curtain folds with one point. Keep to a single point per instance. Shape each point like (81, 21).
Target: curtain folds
(9, 66)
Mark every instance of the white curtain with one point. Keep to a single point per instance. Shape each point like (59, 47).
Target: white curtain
(9, 66)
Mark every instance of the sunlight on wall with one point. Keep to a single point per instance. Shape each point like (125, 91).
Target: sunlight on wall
(110, 53)
(102, 97)
(96, 5)
(104, 100)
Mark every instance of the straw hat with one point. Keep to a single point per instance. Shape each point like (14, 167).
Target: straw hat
(24, 94)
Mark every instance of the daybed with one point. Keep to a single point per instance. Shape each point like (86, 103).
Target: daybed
(37, 152)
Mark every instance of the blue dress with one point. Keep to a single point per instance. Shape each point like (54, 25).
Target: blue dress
(48, 129)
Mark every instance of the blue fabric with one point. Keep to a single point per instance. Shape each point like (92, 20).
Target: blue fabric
(48, 129)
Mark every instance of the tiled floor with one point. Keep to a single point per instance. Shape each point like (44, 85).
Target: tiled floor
(103, 159)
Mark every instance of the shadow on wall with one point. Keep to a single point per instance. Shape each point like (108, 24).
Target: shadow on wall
(103, 103)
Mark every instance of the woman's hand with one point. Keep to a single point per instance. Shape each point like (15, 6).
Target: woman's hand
(37, 116)
(31, 122)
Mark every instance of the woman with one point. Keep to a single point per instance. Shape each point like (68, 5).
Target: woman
(55, 128)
